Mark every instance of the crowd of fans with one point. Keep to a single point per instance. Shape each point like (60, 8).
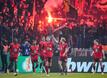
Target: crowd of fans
(15, 18)
(15, 21)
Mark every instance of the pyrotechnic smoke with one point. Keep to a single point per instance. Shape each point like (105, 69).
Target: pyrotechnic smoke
(51, 4)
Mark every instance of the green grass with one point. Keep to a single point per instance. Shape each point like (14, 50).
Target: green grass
(55, 75)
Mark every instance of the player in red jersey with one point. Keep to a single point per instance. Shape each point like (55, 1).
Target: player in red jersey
(43, 55)
(14, 51)
(34, 54)
(49, 52)
(97, 55)
(42, 45)
(63, 53)
(63, 49)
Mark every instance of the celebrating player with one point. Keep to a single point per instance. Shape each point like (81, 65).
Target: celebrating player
(63, 49)
(14, 50)
(43, 54)
(49, 52)
(97, 55)
(34, 54)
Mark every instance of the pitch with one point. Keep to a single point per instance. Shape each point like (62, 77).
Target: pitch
(54, 75)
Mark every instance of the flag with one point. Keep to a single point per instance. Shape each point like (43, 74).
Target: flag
(79, 5)
(33, 15)
(66, 6)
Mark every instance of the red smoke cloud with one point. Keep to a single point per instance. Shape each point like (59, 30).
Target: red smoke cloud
(51, 4)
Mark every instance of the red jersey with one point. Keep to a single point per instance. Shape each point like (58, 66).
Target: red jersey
(43, 45)
(34, 52)
(97, 51)
(14, 50)
(49, 49)
(62, 48)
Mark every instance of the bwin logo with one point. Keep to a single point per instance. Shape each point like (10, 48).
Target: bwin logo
(83, 66)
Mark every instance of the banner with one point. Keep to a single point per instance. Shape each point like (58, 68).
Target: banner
(83, 64)
(25, 65)
(78, 64)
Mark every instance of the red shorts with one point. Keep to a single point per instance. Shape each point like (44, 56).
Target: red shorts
(97, 59)
(34, 58)
(43, 58)
(99, 56)
(49, 59)
(13, 58)
(49, 56)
